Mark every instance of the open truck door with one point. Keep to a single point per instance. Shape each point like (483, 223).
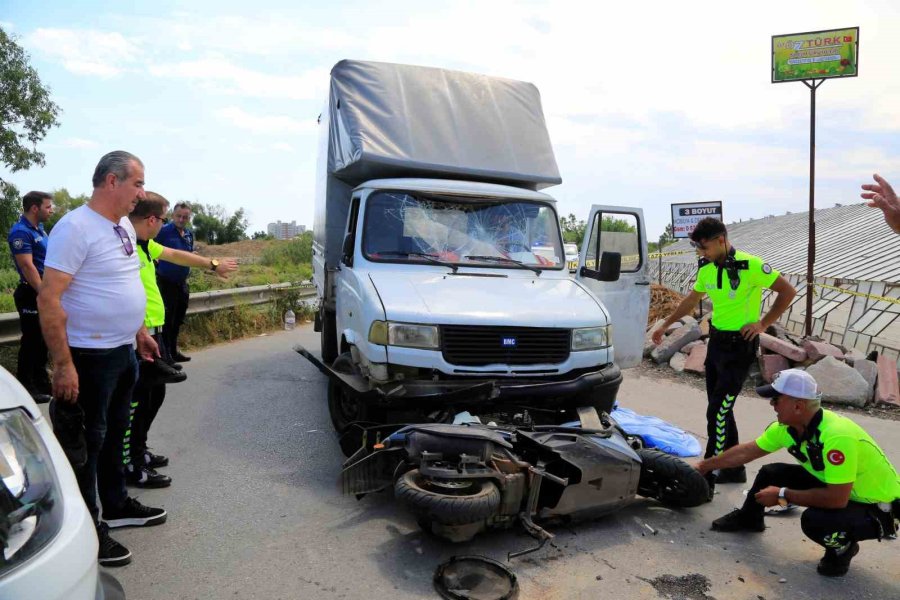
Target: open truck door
(613, 265)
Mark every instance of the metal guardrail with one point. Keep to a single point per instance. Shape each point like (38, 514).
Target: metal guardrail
(201, 302)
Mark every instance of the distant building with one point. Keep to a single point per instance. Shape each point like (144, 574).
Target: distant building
(285, 231)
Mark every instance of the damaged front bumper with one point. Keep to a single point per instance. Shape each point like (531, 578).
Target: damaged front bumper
(596, 388)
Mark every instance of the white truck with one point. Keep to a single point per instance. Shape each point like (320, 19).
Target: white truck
(432, 294)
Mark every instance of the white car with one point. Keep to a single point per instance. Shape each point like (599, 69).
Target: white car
(571, 256)
(47, 537)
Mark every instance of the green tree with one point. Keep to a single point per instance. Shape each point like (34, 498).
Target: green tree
(572, 229)
(262, 235)
(10, 209)
(26, 111)
(614, 224)
(63, 202)
(212, 224)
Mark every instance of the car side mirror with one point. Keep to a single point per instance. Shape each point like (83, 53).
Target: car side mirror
(610, 268)
(347, 250)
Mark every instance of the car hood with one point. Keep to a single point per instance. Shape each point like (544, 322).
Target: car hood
(13, 395)
(511, 299)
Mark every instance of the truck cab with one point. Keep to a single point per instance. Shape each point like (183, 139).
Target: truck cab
(452, 291)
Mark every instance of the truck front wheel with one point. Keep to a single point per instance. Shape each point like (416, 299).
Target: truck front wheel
(343, 407)
(328, 335)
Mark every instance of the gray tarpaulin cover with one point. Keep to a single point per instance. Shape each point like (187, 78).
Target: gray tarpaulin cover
(389, 120)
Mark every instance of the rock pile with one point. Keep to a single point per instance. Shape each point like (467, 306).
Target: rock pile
(844, 377)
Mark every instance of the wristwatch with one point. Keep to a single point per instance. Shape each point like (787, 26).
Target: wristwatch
(782, 497)
(213, 264)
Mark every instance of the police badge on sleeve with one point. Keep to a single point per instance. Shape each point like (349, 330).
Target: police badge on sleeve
(17, 244)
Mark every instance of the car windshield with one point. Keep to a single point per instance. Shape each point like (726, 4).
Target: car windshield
(401, 227)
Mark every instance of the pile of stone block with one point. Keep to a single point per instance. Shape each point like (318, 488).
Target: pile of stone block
(844, 377)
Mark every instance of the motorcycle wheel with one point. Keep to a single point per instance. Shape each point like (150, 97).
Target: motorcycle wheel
(671, 480)
(471, 503)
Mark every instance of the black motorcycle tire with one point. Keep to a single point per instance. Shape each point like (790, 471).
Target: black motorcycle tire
(670, 480)
(481, 501)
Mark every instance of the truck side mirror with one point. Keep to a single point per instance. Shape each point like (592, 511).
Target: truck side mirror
(610, 267)
(347, 250)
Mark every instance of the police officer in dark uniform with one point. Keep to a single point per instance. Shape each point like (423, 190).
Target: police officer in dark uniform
(851, 488)
(28, 244)
(172, 278)
(734, 281)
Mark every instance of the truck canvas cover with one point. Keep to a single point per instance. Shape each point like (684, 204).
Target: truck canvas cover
(389, 120)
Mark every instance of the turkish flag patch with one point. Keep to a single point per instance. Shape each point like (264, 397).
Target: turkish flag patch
(836, 457)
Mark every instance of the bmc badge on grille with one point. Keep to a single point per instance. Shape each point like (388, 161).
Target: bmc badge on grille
(508, 342)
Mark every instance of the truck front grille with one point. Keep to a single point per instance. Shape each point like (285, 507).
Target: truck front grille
(475, 345)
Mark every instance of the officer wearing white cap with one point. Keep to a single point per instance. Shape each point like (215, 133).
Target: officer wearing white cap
(851, 488)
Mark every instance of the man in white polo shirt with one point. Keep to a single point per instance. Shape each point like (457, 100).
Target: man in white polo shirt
(92, 307)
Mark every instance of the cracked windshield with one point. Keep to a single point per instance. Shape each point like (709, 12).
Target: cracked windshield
(404, 227)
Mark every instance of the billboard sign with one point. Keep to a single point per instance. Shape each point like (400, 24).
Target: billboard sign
(686, 216)
(815, 55)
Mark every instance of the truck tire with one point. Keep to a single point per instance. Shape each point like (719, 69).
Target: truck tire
(473, 504)
(328, 337)
(343, 408)
(670, 480)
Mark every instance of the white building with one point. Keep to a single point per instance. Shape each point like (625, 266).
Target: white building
(285, 231)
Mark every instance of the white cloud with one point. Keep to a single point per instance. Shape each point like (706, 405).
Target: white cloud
(238, 80)
(78, 143)
(85, 52)
(265, 124)
(283, 147)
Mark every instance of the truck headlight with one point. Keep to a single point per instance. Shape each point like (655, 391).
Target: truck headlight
(407, 335)
(590, 338)
(31, 510)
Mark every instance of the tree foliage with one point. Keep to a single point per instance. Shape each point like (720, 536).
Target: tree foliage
(572, 229)
(262, 235)
(26, 111)
(63, 202)
(213, 225)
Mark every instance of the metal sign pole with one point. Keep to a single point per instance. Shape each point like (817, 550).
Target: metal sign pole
(811, 246)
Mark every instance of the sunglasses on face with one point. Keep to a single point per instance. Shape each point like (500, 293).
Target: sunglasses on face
(702, 245)
(164, 220)
(125, 239)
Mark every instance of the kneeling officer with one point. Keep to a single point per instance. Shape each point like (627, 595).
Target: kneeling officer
(849, 485)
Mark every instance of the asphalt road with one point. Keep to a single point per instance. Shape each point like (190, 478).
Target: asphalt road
(255, 512)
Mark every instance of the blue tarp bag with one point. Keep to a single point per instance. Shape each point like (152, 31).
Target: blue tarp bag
(657, 433)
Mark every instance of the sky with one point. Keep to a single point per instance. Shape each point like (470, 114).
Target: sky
(647, 103)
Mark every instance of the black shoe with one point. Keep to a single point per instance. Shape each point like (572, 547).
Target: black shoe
(736, 475)
(737, 521)
(111, 552)
(176, 366)
(134, 514)
(160, 371)
(179, 357)
(145, 477)
(833, 565)
(155, 461)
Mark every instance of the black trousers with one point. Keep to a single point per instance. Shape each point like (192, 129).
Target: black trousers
(830, 528)
(175, 298)
(105, 382)
(146, 401)
(728, 360)
(31, 370)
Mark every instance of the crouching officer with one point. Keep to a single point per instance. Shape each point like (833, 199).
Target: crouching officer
(734, 281)
(849, 485)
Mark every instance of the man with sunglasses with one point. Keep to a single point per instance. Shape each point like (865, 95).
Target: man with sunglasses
(91, 309)
(147, 218)
(734, 281)
(851, 488)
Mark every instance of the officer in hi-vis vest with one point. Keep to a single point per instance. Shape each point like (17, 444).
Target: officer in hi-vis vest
(734, 281)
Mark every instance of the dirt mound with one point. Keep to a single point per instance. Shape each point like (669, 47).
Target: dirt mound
(246, 251)
(662, 302)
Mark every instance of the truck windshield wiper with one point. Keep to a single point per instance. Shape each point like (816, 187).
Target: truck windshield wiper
(432, 258)
(506, 260)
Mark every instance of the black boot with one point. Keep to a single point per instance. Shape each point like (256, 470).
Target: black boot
(835, 565)
(737, 520)
(735, 475)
